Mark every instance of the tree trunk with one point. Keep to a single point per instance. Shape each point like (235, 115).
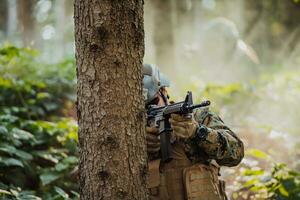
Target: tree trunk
(60, 28)
(164, 35)
(11, 19)
(26, 19)
(109, 38)
(4, 16)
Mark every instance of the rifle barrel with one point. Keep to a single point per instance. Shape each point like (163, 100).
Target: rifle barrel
(203, 104)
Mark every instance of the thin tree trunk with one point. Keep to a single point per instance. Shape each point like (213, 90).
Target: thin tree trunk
(11, 19)
(109, 41)
(60, 28)
(4, 16)
(26, 19)
(164, 35)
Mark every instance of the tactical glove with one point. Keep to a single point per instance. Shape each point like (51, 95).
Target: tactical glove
(183, 126)
(153, 142)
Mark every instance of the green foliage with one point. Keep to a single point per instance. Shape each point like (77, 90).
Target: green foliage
(21, 64)
(280, 183)
(18, 194)
(38, 146)
(226, 95)
(257, 153)
(265, 114)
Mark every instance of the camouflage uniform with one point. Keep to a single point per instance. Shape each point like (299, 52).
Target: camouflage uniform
(221, 144)
(220, 147)
(193, 171)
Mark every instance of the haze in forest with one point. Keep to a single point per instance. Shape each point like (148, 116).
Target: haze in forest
(194, 42)
(242, 55)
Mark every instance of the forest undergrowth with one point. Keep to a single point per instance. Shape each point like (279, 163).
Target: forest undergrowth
(38, 130)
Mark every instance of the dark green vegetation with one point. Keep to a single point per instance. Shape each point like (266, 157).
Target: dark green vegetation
(38, 153)
(38, 131)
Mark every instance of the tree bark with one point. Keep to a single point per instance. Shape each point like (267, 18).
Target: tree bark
(109, 38)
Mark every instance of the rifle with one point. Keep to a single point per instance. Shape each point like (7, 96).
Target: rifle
(160, 115)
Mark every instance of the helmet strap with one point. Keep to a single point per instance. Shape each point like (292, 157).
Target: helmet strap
(165, 99)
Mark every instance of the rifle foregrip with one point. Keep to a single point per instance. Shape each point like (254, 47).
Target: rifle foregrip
(165, 147)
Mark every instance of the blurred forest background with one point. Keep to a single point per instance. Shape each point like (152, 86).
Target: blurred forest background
(242, 55)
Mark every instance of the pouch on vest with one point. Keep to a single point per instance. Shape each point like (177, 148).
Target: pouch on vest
(201, 182)
(156, 182)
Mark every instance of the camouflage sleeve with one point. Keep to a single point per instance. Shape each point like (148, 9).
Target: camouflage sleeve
(221, 144)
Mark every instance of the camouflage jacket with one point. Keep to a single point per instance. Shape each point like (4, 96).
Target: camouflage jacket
(221, 144)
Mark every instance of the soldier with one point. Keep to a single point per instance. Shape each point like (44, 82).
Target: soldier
(197, 154)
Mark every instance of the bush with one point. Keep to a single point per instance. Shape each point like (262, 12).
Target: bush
(280, 183)
(38, 145)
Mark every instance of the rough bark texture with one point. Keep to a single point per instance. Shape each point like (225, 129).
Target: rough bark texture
(109, 40)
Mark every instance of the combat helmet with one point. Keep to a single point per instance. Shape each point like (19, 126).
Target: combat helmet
(153, 80)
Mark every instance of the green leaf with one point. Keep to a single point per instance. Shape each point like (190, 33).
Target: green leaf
(71, 160)
(257, 153)
(42, 95)
(21, 134)
(250, 183)
(11, 150)
(9, 118)
(283, 191)
(4, 192)
(51, 106)
(49, 177)
(3, 130)
(76, 194)
(12, 162)
(60, 166)
(47, 156)
(23, 154)
(250, 172)
(27, 195)
(7, 148)
(61, 192)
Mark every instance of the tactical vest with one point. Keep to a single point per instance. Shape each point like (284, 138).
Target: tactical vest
(179, 179)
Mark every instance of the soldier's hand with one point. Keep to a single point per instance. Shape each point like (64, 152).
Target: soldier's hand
(153, 142)
(183, 126)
